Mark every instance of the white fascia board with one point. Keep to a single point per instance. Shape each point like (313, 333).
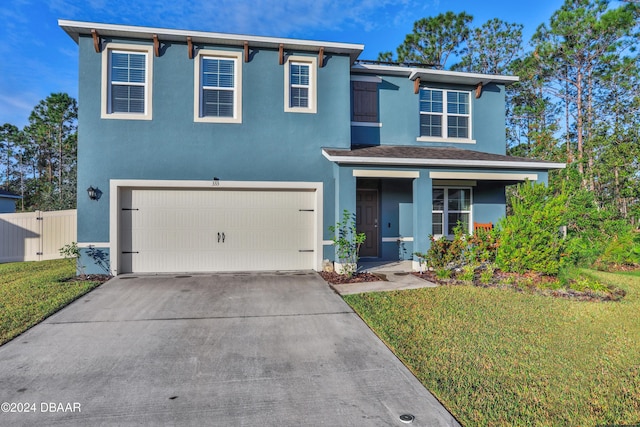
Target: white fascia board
(393, 70)
(375, 173)
(441, 162)
(429, 74)
(74, 28)
(486, 176)
(462, 77)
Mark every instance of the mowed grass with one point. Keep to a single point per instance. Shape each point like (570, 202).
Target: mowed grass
(32, 291)
(501, 358)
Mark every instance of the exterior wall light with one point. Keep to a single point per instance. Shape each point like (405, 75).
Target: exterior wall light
(94, 193)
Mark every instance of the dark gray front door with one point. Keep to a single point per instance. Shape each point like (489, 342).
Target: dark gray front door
(367, 220)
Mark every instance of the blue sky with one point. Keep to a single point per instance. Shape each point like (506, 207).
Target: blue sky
(38, 58)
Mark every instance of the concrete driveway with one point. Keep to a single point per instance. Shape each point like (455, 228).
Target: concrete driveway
(268, 349)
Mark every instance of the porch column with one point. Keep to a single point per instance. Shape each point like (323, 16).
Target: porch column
(422, 209)
(345, 195)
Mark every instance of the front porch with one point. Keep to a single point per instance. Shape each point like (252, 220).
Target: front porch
(416, 192)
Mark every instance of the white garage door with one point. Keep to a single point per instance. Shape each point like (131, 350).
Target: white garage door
(191, 230)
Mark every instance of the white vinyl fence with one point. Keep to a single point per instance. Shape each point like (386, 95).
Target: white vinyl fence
(36, 236)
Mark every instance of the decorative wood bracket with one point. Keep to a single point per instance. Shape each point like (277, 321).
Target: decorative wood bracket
(156, 45)
(281, 54)
(190, 47)
(478, 90)
(416, 85)
(321, 57)
(246, 51)
(96, 41)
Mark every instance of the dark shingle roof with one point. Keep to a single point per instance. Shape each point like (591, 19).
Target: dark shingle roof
(431, 155)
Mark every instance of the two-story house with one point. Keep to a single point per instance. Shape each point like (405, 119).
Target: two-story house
(223, 152)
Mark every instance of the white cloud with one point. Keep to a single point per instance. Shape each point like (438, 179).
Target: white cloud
(296, 18)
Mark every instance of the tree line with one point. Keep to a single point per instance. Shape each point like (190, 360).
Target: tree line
(577, 101)
(578, 97)
(39, 162)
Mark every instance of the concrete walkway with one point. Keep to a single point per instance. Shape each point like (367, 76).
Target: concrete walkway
(268, 349)
(396, 276)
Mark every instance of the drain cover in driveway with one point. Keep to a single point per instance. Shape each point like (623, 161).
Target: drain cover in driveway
(407, 418)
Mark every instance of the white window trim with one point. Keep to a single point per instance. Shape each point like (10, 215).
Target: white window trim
(312, 61)
(106, 82)
(445, 218)
(452, 140)
(444, 115)
(237, 96)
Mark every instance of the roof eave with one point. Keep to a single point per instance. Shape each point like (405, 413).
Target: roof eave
(75, 28)
(441, 76)
(396, 161)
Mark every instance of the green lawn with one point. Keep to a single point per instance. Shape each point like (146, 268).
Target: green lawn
(32, 291)
(498, 357)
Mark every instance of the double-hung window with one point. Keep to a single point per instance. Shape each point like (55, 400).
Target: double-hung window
(450, 207)
(218, 77)
(300, 84)
(445, 114)
(126, 88)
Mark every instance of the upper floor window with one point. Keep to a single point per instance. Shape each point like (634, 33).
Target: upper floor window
(218, 82)
(445, 114)
(364, 102)
(126, 82)
(300, 84)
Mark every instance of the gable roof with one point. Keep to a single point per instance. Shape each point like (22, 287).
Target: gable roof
(75, 28)
(398, 155)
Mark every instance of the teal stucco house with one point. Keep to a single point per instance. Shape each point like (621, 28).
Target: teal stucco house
(226, 152)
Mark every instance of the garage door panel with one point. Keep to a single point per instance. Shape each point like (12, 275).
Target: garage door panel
(175, 230)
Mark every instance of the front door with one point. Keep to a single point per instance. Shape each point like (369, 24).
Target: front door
(367, 220)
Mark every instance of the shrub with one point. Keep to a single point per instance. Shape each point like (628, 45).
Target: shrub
(462, 250)
(486, 277)
(590, 228)
(467, 274)
(443, 273)
(530, 240)
(347, 241)
(72, 252)
(622, 249)
(483, 245)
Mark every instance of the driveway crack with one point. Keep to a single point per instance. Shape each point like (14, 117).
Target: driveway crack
(199, 318)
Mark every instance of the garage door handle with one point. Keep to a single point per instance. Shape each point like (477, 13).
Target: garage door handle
(218, 237)
(223, 237)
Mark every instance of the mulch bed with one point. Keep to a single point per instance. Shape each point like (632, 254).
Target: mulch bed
(101, 278)
(529, 282)
(339, 279)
